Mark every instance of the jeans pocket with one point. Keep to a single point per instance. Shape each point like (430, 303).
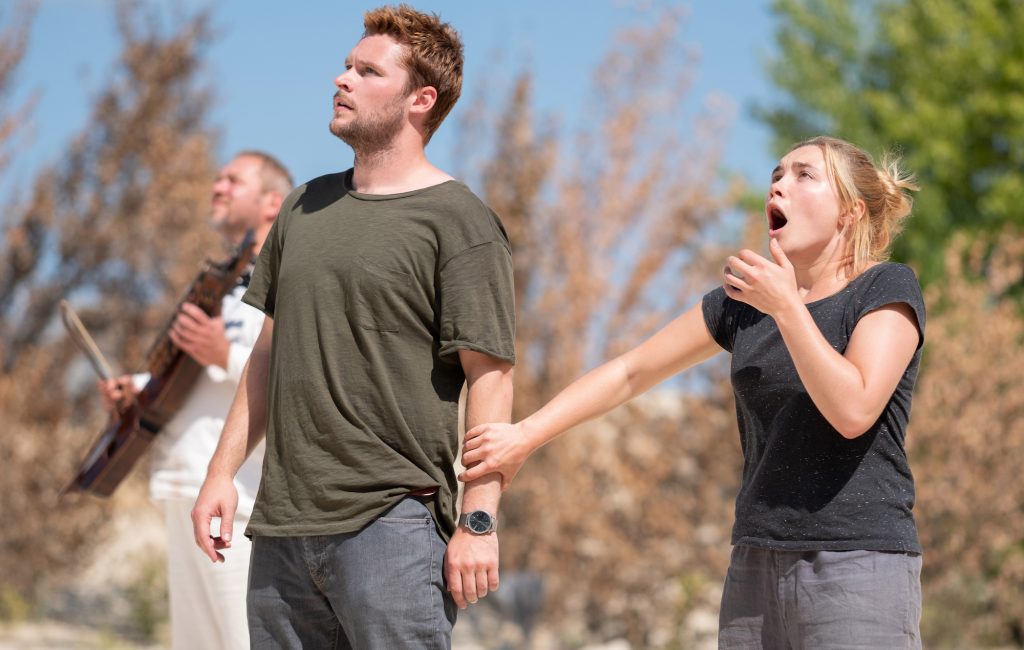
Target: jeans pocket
(407, 511)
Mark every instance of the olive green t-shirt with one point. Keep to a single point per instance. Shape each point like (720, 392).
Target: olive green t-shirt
(372, 297)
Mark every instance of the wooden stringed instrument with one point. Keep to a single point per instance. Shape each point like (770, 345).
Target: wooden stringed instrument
(172, 372)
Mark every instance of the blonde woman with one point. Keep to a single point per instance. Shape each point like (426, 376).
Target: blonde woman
(826, 340)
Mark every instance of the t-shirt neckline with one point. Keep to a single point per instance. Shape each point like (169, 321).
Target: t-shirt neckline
(362, 196)
(846, 287)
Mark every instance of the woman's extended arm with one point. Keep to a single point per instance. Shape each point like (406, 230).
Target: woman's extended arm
(503, 448)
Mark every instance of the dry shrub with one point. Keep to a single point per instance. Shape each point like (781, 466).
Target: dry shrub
(631, 525)
(13, 41)
(117, 226)
(967, 447)
(616, 228)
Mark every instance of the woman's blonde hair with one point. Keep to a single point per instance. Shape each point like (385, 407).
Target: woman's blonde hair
(884, 189)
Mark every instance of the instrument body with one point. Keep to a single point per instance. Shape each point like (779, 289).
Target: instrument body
(173, 374)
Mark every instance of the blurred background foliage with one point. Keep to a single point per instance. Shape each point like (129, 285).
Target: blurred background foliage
(619, 530)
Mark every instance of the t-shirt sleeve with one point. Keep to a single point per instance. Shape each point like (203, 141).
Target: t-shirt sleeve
(477, 303)
(893, 284)
(719, 319)
(262, 291)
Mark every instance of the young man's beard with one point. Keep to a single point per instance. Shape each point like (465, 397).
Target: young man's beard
(372, 132)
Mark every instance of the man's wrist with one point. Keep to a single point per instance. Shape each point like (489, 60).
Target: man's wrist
(478, 522)
(215, 474)
(223, 355)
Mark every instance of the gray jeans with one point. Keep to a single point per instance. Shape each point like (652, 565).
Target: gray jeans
(803, 600)
(381, 587)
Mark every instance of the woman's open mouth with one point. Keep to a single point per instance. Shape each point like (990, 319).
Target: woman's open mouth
(776, 219)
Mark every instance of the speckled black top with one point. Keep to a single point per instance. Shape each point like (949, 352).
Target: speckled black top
(805, 487)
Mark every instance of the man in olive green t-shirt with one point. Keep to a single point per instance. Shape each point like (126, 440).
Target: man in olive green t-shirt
(386, 287)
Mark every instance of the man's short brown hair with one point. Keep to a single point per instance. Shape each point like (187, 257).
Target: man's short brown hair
(274, 176)
(433, 54)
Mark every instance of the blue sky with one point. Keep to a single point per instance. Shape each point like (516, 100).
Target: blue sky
(272, 66)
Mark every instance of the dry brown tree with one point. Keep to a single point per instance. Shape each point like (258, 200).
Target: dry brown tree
(616, 227)
(116, 226)
(13, 42)
(967, 448)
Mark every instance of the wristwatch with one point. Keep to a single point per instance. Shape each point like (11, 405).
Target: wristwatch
(479, 522)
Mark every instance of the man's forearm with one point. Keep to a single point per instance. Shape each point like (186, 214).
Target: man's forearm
(471, 561)
(488, 399)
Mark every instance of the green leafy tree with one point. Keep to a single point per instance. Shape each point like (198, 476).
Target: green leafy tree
(940, 80)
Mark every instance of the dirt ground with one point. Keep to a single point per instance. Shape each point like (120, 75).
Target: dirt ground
(58, 636)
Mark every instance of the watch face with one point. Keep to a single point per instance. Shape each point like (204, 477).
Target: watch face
(478, 521)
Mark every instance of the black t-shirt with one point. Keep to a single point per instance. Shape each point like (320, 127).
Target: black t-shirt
(805, 486)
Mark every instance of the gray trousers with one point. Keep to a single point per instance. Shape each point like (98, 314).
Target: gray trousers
(821, 600)
(381, 587)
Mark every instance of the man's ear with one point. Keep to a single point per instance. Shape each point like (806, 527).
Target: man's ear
(423, 100)
(271, 204)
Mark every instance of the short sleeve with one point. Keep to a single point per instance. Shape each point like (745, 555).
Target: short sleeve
(477, 303)
(262, 291)
(894, 283)
(720, 322)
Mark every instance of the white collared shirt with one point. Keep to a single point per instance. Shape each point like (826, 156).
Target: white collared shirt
(183, 448)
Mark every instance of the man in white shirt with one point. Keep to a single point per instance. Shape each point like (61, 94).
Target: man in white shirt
(207, 601)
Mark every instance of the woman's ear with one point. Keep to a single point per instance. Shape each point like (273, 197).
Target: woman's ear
(855, 213)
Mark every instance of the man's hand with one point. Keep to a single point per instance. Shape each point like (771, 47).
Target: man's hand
(200, 336)
(217, 498)
(116, 393)
(471, 566)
